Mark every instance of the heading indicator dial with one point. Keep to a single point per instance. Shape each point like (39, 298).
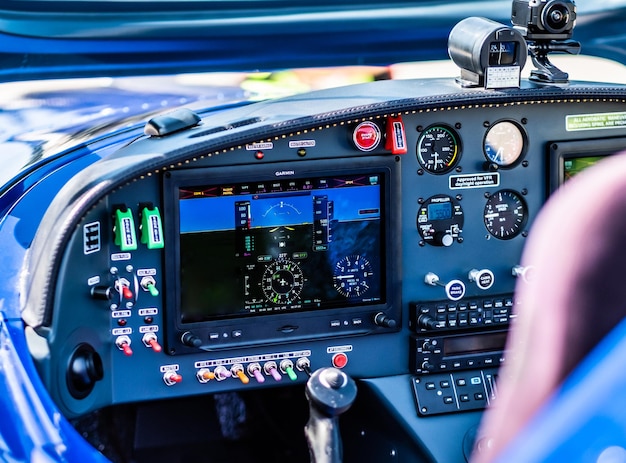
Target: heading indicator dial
(438, 149)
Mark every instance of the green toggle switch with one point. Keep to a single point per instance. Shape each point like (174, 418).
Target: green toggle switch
(151, 228)
(152, 289)
(124, 228)
(292, 374)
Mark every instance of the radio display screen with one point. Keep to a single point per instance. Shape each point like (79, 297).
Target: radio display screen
(484, 342)
(286, 243)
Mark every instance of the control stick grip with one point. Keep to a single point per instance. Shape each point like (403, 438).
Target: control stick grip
(330, 392)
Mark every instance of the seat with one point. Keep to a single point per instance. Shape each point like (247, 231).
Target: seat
(561, 394)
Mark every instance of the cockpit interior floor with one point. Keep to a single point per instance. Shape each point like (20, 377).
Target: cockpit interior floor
(258, 427)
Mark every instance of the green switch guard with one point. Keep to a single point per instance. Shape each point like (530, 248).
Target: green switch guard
(125, 236)
(151, 228)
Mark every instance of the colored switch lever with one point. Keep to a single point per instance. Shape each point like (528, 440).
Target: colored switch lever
(254, 369)
(221, 373)
(149, 284)
(123, 344)
(151, 228)
(152, 290)
(150, 340)
(126, 292)
(124, 229)
(205, 375)
(270, 368)
(286, 366)
(171, 377)
(123, 287)
(237, 370)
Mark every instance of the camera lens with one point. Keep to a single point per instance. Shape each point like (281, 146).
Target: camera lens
(556, 17)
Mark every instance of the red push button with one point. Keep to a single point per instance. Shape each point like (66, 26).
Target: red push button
(366, 136)
(340, 360)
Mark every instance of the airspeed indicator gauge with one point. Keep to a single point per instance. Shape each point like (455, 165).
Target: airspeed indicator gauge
(438, 149)
(505, 214)
(504, 144)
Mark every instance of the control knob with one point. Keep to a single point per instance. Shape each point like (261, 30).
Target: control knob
(427, 322)
(383, 320)
(427, 366)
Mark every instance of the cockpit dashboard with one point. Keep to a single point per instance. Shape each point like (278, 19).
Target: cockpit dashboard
(374, 228)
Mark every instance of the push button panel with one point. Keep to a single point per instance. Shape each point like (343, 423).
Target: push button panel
(454, 392)
(474, 313)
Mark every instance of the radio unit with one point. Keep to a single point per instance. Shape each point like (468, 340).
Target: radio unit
(460, 335)
(457, 352)
(466, 314)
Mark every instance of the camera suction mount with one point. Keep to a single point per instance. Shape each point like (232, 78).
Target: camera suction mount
(547, 26)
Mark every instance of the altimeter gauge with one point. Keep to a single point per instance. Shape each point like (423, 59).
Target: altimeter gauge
(352, 276)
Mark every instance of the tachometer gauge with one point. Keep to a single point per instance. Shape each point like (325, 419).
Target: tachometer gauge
(440, 220)
(438, 149)
(504, 144)
(505, 214)
(352, 276)
(282, 282)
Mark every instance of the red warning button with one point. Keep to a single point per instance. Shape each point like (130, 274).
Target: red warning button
(340, 360)
(366, 136)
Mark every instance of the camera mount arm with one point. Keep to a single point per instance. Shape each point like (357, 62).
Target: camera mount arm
(546, 72)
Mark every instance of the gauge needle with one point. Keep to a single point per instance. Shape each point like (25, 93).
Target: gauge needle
(343, 277)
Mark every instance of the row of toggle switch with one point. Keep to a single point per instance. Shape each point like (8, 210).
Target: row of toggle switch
(149, 340)
(244, 373)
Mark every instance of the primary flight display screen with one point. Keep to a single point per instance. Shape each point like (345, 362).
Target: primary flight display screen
(284, 244)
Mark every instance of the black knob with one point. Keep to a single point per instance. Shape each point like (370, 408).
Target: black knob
(84, 370)
(427, 366)
(190, 339)
(427, 346)
(383, 320)
(427, 322)
(102, 292)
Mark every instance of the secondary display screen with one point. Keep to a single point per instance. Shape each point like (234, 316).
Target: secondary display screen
(440, 211)
(574, 166)
(485, 342)
(282, 245)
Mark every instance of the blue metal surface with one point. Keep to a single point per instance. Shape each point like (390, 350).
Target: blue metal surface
(585, 419)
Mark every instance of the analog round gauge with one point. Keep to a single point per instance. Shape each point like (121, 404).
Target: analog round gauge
(505, 214)
(440, 220)
(438, 149)
(282, 282)
(504, 144)
(352, 276)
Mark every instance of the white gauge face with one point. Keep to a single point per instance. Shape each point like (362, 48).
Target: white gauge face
(504, 143)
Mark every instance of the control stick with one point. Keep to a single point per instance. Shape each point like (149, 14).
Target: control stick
(330, 392)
